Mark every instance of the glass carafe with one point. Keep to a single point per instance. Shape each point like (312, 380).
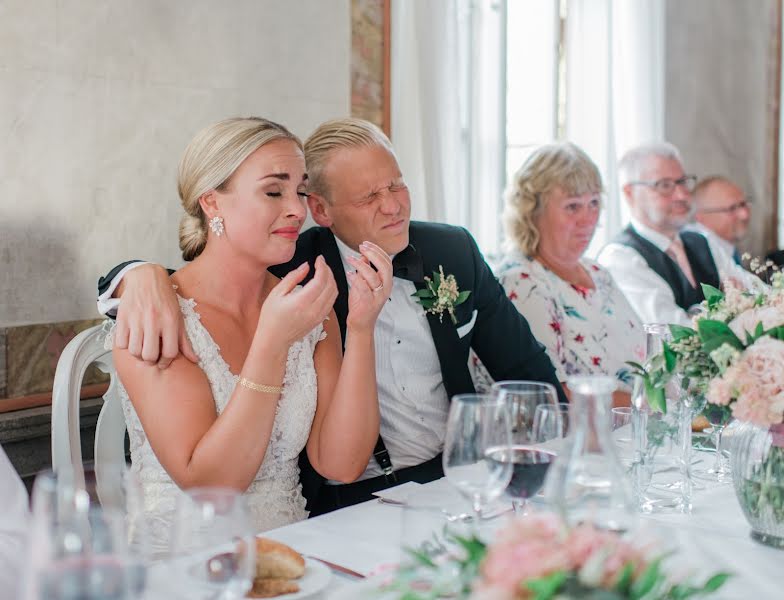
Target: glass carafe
(587, 482)
(662, 439)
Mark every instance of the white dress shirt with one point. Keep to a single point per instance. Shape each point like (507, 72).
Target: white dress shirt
(13, 527)
(648, 293)
(717, 245)
(411, 394)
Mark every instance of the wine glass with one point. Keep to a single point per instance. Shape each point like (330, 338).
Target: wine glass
(212, 538)
(79, 545)
(477, 444)
(719, 417)
(551, 422)
(529, 462)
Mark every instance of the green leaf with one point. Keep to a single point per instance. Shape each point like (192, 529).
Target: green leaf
(436, 279)
(647, 581)
(679, 332)
(545, 588)
(712, 295)
(715, 582)
(625, 578)
(670, 358)
(715, 333)
(462, 297)
(656, 398)
(423, 293)
(775, 332)
(421, 557)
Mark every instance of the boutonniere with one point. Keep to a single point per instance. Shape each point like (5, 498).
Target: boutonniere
(441, 294)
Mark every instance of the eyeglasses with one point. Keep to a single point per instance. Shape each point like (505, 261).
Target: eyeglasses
(666, 186)
(731, 209)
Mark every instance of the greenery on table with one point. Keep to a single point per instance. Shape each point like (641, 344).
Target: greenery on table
(453, 573)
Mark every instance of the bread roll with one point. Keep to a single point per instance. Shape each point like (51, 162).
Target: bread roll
(271, 588)
(277, 561)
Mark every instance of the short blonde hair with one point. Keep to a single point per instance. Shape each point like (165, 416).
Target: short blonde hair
(563, 165)
(208, 163)
(335, 135)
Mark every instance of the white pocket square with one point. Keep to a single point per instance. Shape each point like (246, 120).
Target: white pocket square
(463, 330)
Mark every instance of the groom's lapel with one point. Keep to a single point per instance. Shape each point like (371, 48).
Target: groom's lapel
(329, 250)
(444, 332)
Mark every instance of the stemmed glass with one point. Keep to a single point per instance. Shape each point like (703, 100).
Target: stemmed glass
(477, 444)
(536, 417)
(212, 538)
(719, 417)
(81, 541)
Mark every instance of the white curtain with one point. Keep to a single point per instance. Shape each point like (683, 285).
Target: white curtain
(615, 88)
(447, 110)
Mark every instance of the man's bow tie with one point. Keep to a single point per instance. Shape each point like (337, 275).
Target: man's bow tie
(407, 264)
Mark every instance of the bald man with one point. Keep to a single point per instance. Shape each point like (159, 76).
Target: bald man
(723, 210)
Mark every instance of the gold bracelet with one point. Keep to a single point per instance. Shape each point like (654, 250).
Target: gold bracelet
(260, 387)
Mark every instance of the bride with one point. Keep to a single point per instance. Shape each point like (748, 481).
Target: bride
(270, 378)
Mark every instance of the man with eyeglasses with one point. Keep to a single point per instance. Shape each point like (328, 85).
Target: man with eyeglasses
(656, 262)
(723, 212)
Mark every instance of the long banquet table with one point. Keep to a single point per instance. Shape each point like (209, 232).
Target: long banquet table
(715, 537)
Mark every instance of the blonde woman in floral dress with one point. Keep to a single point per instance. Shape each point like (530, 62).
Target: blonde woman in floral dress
(573, 305)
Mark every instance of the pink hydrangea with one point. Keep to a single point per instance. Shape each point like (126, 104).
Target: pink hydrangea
(755, 382)
(537, 546)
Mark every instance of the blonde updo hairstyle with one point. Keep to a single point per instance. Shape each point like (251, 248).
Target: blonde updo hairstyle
(209, 162)
(561, 166)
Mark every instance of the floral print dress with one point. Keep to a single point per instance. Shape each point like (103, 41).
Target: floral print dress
(585, 331)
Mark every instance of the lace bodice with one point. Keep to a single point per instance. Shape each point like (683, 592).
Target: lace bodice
(275, 496)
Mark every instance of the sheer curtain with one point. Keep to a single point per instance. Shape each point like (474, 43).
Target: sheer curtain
(447, 62)
(449, 118)
(615, 88)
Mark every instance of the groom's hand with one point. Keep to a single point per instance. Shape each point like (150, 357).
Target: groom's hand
(149, 320)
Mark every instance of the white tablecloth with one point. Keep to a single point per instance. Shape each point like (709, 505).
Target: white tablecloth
(715, 537)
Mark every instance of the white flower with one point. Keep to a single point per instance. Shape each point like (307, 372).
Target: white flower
(747, 321)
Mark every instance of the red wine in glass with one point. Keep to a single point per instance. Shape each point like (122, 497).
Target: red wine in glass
(529, 468)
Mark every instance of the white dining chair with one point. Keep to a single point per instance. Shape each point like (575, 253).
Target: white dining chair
(85, 349)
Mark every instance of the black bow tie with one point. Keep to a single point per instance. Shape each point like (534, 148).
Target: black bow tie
(407, 264)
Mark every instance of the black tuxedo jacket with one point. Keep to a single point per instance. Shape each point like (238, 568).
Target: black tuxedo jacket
(500, 336)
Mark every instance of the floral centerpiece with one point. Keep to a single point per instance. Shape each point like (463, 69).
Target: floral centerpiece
(538, 558)
(734, 355)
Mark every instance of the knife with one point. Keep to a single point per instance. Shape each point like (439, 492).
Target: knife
(339, 568)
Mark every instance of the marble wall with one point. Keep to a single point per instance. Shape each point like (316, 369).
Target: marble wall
(721, 98)
(99, 98)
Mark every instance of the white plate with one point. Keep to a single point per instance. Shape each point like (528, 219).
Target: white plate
(316, 579)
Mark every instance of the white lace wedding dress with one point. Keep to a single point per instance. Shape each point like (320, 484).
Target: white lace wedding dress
(275, 496)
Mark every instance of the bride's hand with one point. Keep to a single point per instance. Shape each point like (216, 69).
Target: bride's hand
(371, 286)
(289, 312)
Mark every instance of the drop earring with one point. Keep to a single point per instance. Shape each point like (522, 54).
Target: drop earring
(216, 224)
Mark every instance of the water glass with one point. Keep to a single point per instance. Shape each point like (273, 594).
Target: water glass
(80, 544)
(476, 449)
(213, 541)
(622, 418)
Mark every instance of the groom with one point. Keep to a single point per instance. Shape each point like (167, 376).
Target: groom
(357, 193)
